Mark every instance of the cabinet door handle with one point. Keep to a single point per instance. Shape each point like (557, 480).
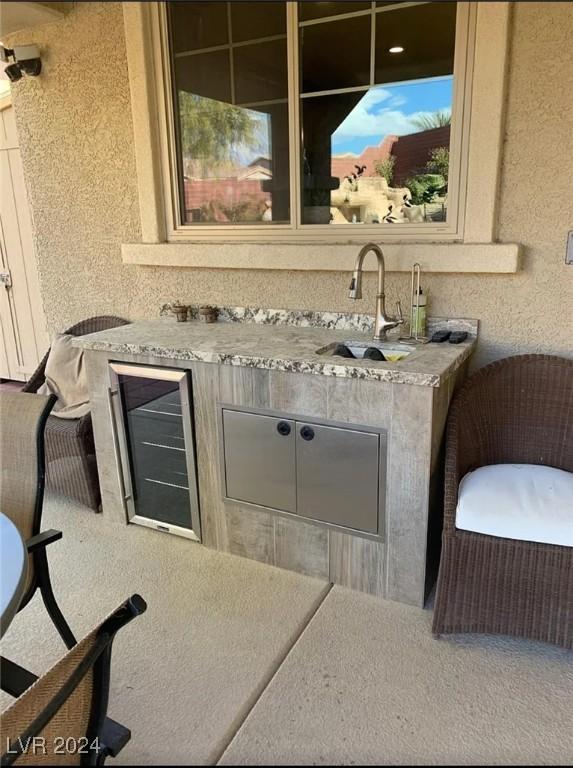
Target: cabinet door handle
(283, 428)
(307, 433)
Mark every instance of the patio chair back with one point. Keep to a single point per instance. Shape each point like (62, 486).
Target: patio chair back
(70, 449)
(84, 327)
(518, 410)
(61, 718)
(23, 417)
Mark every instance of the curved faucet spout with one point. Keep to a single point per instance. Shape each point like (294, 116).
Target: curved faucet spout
(355, 291)
(383, 322)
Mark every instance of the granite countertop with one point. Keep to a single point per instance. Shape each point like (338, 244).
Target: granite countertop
(280, 345)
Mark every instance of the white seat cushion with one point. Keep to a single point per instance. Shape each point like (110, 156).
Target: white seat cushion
(518, 501)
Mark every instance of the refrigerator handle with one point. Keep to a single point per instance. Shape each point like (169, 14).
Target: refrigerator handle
(125, 497)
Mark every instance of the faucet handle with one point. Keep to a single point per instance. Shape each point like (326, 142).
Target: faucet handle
(355, 289)
(399, 314)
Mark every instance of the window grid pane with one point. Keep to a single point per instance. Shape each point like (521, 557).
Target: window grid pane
(380, 154)
(231, 113)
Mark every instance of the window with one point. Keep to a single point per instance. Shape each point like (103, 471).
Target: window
(321, 119)
(230, 94)
(376, 105)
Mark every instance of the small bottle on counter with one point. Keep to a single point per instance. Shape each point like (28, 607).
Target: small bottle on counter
(419, 314)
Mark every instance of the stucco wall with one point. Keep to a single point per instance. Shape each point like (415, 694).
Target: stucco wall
(77, 148)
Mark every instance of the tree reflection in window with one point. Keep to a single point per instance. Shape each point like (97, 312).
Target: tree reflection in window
(230, 83)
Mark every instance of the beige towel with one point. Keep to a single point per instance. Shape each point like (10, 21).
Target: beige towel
(66, 378)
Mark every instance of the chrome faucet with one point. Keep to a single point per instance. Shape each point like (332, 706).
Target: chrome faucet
(382, 323)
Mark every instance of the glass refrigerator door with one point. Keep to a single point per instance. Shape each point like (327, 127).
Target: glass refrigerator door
(157, 447)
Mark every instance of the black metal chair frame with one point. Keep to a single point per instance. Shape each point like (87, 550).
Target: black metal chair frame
(36, 545)
(110, 736)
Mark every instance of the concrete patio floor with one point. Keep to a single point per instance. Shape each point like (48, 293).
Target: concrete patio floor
(240, 663)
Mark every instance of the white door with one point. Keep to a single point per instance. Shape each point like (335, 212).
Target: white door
(23, 337)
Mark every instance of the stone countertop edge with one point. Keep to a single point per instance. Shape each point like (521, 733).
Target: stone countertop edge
(309, 363)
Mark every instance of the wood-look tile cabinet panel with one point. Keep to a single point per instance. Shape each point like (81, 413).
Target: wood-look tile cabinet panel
(301, 547)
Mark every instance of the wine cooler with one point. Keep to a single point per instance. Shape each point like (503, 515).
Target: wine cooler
(152, 418)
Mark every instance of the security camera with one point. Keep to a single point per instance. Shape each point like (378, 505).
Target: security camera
(28, 57)
(26, 61)
(13, 72)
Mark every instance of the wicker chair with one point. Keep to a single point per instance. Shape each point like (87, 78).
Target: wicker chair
(70, 450)
(60, 718)
(518, 410)
(23, 417)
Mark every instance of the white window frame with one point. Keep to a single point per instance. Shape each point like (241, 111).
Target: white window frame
(479, 97)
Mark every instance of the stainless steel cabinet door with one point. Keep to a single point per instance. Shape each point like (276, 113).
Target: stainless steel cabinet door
(260, 459)
(337, 475)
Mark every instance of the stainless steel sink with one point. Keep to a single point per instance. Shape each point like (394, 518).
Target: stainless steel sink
(392, 351)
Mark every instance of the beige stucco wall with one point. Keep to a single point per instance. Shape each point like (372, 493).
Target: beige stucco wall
(77, 147)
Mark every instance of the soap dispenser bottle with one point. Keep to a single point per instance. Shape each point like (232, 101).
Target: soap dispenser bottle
(419, 314)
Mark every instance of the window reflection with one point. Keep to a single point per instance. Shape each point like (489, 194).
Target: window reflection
(248, 23)
(226, 152)
(261, 72)
(375, 106)
(335, 54)
(425, 32)
(378, 157)
(376, 149)
(232, 112)
(316, 10)
(198, 25)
